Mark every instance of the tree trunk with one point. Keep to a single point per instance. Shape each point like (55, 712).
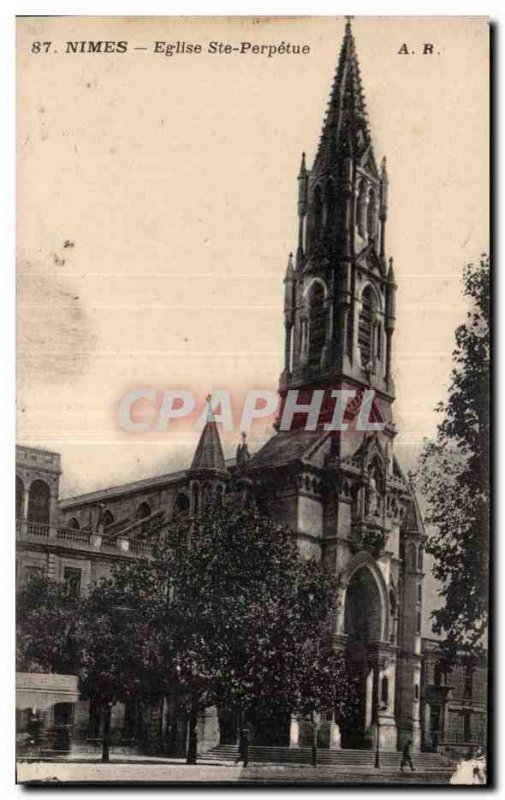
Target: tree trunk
(193, 735)
(314, 739)
(106, 711)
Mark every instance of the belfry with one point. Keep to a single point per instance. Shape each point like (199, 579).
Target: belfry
(344, 492)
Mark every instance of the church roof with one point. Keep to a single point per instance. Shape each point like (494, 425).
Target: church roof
(286, 447)
(345, 128)
(209, 452)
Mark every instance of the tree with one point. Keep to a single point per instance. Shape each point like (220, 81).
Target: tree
(224, 613)
(247, 619)
(100, 638)
(453, 476)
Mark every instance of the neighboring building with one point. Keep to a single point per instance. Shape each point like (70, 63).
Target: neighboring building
(454, 702)
(344, 494)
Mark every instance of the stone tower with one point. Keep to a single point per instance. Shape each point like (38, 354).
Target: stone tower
(343, 492)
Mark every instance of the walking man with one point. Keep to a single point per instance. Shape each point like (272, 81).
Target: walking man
(406, 756)
(243, 748)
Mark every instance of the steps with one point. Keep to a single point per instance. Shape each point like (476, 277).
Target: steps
(363, 759)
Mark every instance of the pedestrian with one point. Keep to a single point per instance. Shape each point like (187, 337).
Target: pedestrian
(406, 756)
(243, 747)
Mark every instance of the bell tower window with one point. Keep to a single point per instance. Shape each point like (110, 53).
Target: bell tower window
(365, 329)
(371, 222)
(361, 208)
(317, 322)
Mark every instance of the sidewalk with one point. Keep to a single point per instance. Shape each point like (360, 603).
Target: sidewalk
(153, 770)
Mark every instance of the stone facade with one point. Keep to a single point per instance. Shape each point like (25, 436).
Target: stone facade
(453, 703)
(342, 492)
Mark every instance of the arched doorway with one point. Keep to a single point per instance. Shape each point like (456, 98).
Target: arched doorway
(363, 625)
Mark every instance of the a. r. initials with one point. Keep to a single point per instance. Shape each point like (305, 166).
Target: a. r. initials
(428, 49)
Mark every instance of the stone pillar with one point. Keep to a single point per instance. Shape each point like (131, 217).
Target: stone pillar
(294, 732)
(26, 500)
(335, 743)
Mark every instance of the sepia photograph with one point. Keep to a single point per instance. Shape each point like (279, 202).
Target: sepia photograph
(253, 400)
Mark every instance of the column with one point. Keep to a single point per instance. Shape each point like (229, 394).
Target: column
(294, 732)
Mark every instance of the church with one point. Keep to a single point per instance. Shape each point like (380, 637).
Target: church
(343, 492)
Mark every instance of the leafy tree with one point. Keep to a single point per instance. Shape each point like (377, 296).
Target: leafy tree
(453, 476)
(100, 638)
(225, 613)
(247, 617)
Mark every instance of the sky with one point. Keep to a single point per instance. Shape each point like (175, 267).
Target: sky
(157, 207)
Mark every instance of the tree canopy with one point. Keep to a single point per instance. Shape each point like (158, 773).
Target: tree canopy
(453, 476)
(224, 611)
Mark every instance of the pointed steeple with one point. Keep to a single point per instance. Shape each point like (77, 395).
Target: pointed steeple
(209, 453)
(345, 129)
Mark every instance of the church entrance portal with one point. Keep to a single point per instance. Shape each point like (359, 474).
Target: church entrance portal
(363, 626)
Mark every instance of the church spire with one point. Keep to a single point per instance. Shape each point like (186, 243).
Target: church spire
(345, 129)
(209, 453)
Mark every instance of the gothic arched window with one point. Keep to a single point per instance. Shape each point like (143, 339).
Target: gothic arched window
(38, 504)
(317, 322)
(365, 326)
(181, 505)
(371, 219)
(73, 523)
(361, 208)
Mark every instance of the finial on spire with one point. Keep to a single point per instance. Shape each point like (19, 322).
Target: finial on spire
(384, 172)
(349, 19)
(391, 272)
(289, 270)
(210, 413)
(303, 168)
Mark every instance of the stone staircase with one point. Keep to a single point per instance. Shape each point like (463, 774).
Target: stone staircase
(364, 760)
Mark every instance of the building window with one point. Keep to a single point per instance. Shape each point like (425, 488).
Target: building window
(384, 692)
(416, 691)
(108, 518)
(143, 511)
(365, 333)
(469, 682)
(467, 726)
(74, 524)
(181, 506)
(371, 221)
(72, 577)
(420, 558)
(317, 322)
(418, 624)
(39, 502)
(361, 209)
(420, 593)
